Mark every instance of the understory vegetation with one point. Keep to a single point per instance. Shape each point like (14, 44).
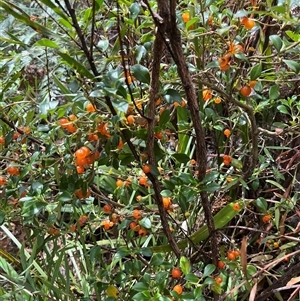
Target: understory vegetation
(149, 150)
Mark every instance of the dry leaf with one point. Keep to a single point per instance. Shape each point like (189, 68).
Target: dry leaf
(293, 281)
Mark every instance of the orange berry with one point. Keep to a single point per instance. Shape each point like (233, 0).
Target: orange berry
(234, 49)
(217, 100)
(80, 195)
(133, 226)
(252, 83)
(144, 156)
(130, 119)
(90, 108)
(158, 101)
(218, 280)
(13, 170)
(193, 162)
(83, 219)
(166, 202)
(25, 129)
(130, 78)
(227, 132)
(85, 150)
(226, 160)
(71, 128)
(146, 168)
(210, 20)
(107, 224)
(80, 169)
(16, 135)
(103, 130)
(80, 153)
(221, 264)
(2, 180)
(266, 218)
(72, 228)
(158, 135)
(64, 122)
(107, 208)
(128, 181)
(92, 137)
(73, 117)
(119, 183)
(229, 179)
(207, 94)
(185, 17)
(230, 255)
(247, 23)
(236, 253)
(142, 232)
(137, 214)
(139, 198)
(245, 91)
(178, 289)
(224, 62)
(176, 273)
(236, 207)
(80, 161)
(90, 159)
(120, 145)
(143, 180)
(114, 218)
(2, 140)
(53, 231)
(276, 245)
(161, 110)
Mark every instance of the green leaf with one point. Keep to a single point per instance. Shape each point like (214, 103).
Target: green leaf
(23, 17)
(292, 65)
(146, 252)
(140, 287)
(2, 216)
(57, 10)
(157, 259)
(283, 109)
(276, 185)
(134, 10)
(236, 163)
(274, 92)
(146, 223)
(182, 158)
(276, 41)
(172, 96)
(185, 265)
(208, 270)
(120, 105)
(76, 65)
(294, 36)
(65, 196)
(262, 204)
(256, 71)
(103, 44)
(141, 73)
(46, 43)
(164, 118)
(121, 253)
(211, 187)
(221, 219)
(191, 278)
(141, 51)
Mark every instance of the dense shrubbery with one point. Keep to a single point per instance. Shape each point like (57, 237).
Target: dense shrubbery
(149, 151)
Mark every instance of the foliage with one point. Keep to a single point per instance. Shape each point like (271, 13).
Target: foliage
(124, 155)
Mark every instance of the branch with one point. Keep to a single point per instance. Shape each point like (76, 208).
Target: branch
(158, 48)
(201, 156)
